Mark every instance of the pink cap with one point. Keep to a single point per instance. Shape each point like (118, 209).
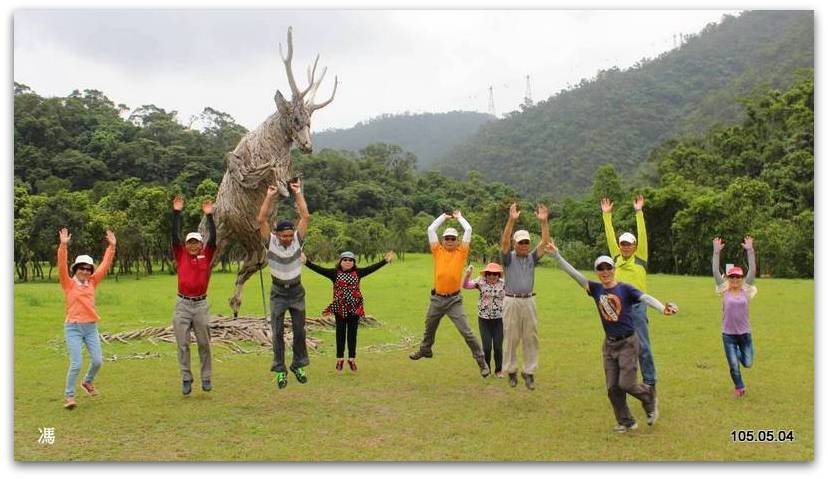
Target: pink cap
(735, 271)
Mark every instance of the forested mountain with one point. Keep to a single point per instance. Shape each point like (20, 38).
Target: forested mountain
(428, 135)
(618, 117)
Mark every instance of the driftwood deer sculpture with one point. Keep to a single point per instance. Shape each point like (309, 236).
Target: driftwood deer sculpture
(262, 158)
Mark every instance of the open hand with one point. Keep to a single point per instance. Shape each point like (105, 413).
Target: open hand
(638, 203)
(178, 203)
(718, 245)
(64, 236)
(606, 205)
(748, 243)
(514, 214)
(543, 212)
(110, 237)
(389, 256)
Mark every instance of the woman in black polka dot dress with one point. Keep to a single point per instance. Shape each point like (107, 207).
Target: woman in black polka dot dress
(347, 304)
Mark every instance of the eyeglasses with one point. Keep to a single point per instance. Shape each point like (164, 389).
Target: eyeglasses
(450, 238)
(605, 267)
(85, 268)
(523, 242)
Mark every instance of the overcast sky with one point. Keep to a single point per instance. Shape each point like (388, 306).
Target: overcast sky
(387, 61)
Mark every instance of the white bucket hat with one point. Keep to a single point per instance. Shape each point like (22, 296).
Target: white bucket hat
(83, 259)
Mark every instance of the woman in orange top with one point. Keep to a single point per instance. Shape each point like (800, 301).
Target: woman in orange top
(81, 324)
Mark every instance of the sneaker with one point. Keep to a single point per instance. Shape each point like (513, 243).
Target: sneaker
(339, 364)
(186, 387)
(281, 379)
(69, 402)
(352, 364)
(529, 379)
(620, 428)
(652, 416)
(484, 368)
(300, 374)
(206, 385)
(420, 354)
(513, 379)
(89, 388)
(499, 374)
(739, 392)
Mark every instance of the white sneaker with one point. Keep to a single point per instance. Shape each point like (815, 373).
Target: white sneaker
(620, 428)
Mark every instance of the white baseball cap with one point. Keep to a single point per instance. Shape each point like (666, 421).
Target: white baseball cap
(194, 235)
(627, 238)
(604, 259)
(450, 232)
(521, 235)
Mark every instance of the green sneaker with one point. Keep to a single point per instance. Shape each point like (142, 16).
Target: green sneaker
(300, 374)
(281, 379)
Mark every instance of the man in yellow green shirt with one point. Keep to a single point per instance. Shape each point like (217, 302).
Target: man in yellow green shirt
(630, 256)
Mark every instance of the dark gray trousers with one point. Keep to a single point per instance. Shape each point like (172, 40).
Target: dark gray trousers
(621, 368)
(452, 307)
(282, 300)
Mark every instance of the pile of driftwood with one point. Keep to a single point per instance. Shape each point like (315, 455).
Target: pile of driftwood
(228, 332)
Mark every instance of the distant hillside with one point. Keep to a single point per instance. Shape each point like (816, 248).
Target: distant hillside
(618, 117)
(427, 135)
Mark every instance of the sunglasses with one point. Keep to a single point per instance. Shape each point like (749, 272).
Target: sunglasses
(492, 274)
(523, 242)
(348, 259)
(450, 238)
(735, 276)
(84, 268)
(604, 267)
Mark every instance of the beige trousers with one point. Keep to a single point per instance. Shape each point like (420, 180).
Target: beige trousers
(520, 325)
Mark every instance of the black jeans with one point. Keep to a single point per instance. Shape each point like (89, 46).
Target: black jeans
(346, 325)
(491, 333)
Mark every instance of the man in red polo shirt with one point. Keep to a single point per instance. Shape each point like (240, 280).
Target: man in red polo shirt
(193, 259)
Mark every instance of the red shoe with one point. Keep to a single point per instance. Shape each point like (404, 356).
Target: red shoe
(89, 388)
(352, 364)
(739, 392)
(339, 363)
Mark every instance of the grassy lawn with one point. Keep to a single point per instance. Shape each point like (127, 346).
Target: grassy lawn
(432, 409)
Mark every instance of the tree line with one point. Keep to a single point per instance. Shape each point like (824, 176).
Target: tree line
(87, 164)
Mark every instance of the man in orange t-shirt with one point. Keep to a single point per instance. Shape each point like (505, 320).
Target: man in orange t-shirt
(449, 261)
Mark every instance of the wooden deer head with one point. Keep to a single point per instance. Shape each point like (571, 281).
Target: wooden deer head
(295, 114)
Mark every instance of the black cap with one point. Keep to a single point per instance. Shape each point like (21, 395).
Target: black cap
(284, 225)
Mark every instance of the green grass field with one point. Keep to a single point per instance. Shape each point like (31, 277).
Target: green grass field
(436, 409)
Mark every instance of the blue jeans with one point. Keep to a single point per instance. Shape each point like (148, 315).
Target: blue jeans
(78, 334)
(738, 348)
(645, 354)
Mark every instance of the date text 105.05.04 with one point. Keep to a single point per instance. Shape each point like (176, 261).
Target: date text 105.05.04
(762, 435)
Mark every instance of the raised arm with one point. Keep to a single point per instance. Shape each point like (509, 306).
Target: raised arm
(609, 230)
(329, 273)
(363, 272)
(718, 244)
(178, 205)
(543, 217)
(63, 258)
(642, 251)
(302, 207)
(750, 276)
(106, 263)
(432, 228)
(467, 282)
(572, 272)
(264, 212)
(207, 208)
(467, 229)
(506, 237)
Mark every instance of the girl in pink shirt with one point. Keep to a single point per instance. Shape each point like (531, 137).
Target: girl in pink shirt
(81, 323)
